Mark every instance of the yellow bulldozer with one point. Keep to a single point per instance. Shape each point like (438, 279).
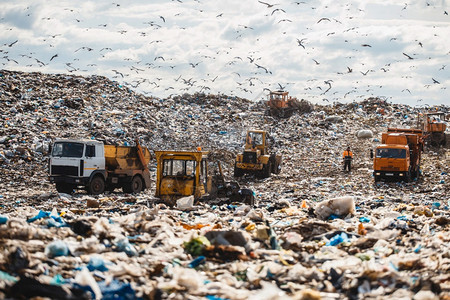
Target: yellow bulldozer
(188, 173)
(433, 125)
(256, 158)
(281, 105)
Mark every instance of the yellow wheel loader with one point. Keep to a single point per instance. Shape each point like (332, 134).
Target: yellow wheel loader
(186, 173)
(256, 158)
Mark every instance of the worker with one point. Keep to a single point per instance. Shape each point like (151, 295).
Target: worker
(348, 157)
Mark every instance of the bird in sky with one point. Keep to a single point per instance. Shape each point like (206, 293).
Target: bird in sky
(10, 45)
(409, 57)
(435, 81)
(54, 56)
(261, 67)
(323, 19)
(268, 4)
(86, 48)
(193, 65)
(300, 43)
(277, 9)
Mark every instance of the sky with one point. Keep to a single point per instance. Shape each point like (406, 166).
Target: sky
(323, 51)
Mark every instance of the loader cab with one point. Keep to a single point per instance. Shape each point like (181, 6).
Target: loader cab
(181, 174)
(256, 140)
(278, 99)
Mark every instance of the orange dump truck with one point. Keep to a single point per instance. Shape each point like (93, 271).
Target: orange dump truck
(398, 157)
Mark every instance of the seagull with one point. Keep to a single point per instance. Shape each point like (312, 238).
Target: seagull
(300, 43)
(164, 20)
(54, 56)
(117, 72)
(317, 63)
(435, 81)
(366, 45)
(323, 19)
(87, 48)
(409, 57)
(268, 5)
(194, 64)
(261, 67)
(349, 70)
(329, 85)
(277, 9)
(10, 45)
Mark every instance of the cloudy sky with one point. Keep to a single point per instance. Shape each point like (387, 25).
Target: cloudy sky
(319, 50)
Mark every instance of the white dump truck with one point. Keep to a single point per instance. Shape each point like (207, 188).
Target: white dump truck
(97, 167)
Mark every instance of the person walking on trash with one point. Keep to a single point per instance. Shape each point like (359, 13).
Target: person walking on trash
(348, 157)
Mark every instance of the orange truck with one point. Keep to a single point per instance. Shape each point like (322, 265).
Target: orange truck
(398, 157)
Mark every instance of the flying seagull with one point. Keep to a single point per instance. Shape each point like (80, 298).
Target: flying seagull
(268, 4)
(409, 57)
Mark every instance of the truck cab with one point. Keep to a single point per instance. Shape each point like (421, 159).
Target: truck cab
(398, 157)
(73, 162)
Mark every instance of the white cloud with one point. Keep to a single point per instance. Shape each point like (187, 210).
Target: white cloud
(160, 41)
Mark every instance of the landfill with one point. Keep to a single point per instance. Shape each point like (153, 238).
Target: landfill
(314, 232)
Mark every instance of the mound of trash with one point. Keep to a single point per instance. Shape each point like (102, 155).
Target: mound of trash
(315, 232)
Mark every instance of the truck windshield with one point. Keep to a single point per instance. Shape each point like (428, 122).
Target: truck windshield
(391, 153)
(255, 137)
(68, 149)
(175, 167)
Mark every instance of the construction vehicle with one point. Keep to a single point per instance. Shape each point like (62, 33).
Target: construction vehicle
(256, 158)
(398, 157)
(281, 104)
(188, 173)
(433, 126)
(98, 167)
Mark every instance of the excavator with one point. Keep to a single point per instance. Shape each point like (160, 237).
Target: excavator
(256, 158)
(187, 173)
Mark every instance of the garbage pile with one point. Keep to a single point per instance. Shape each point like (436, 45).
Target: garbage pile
(314, 232)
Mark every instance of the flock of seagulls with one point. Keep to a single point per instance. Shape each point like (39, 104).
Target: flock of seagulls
(260, 69)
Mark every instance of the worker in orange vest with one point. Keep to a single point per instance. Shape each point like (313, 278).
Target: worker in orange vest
(348, 157)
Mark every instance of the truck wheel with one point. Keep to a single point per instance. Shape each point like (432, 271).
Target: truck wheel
(135, 186)
(96, 186)
(408, 177)
(63, 187)
(238, 172)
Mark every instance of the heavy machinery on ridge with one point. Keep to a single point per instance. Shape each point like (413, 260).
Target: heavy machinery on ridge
(256, 158)
(281, 105)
